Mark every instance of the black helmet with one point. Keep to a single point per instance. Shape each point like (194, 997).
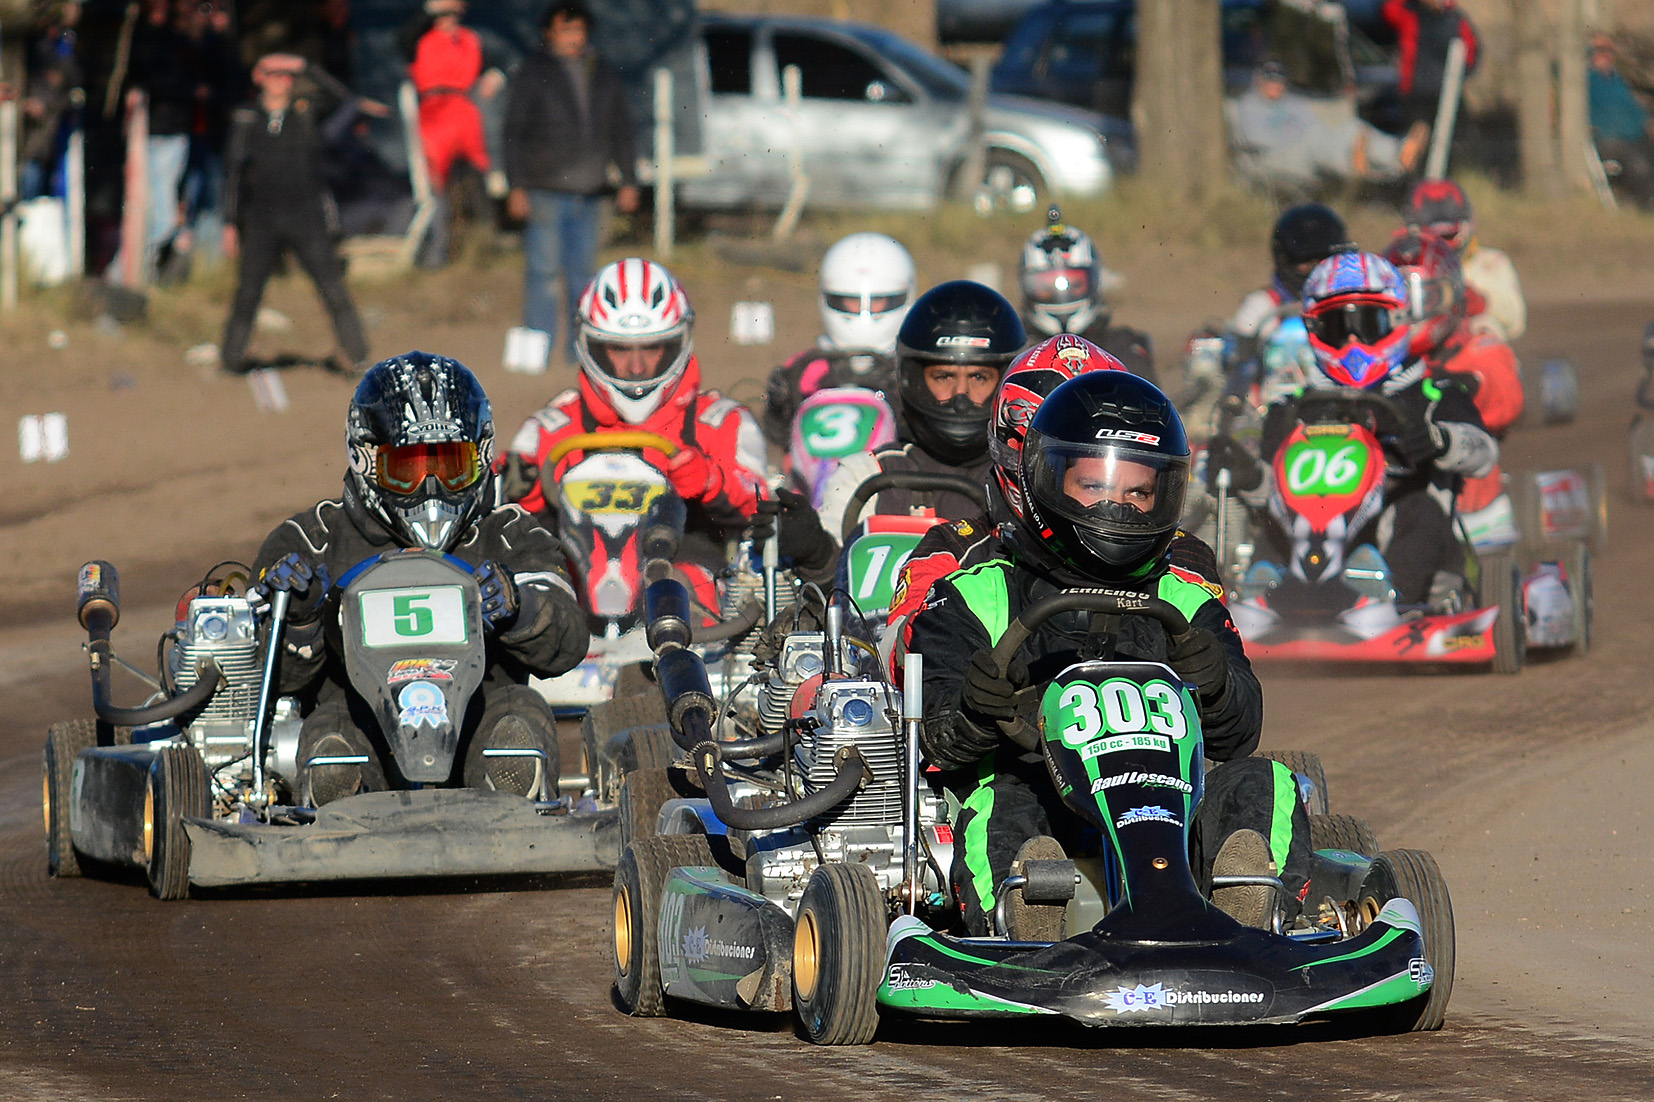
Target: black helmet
(421, 438)
(1104, 468)
(1304, 236)
(965, 324)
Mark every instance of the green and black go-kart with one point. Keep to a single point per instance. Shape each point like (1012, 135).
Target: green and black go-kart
(811, 875)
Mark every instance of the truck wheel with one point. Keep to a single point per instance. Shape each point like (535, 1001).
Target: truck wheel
(1413, 875)
(640, 878)
(838, 955)
(1502, 586)
(1349, 833)
(64, 742)
(1578, 566)
(177, 791)
(1308, 768)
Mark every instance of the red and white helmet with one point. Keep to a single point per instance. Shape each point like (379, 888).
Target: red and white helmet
(634, 340)
(1029, 380)
(1436, 300)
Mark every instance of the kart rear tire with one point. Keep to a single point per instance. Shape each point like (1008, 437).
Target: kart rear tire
(1596, 482)
(1580, 591)
(177, 791)
(838, 955)
(1350, 833)
(603, 721)
(635, 680)
(64, 742)
(1501, 584)
(1308, 765)
(1413, 875)
(640, 878)
(643, 792)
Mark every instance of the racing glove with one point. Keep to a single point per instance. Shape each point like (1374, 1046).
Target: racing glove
(499, 596)
(518, 476)
(1224, 453)
(305, 580)
(990, 695)
(693, 474)
(1198, 657)
(1420, 442)
(790, 517)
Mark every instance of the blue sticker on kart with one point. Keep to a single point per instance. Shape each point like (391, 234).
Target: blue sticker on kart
(422, 702)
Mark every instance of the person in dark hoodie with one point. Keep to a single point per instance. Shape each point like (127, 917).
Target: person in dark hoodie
(566, 131)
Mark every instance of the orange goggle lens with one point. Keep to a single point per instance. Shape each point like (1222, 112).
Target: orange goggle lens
(404, 469)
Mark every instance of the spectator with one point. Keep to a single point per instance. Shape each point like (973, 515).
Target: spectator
(158, 76)
(1620, 125)
(447, 62)
(54, 73)
(566, 131)
(276, 199)
(1425, 29)
(1297, 148)
(219, 81)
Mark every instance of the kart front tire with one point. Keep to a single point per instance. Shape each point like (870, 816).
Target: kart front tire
(1413, 875)
(1308, 765)
(1502, 586)
(640, 879)
(177, 791)
(1578, 565)
(64, 742)
(1349, 833)
(838, 955)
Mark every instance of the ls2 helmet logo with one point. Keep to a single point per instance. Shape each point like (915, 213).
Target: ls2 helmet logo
(1128, 436)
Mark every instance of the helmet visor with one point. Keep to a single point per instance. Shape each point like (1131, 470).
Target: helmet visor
(1108, 487)
(1055, 286)
(402, 469)
(1363, 322)
(864, 303)
(1428, 298)
(631, 363)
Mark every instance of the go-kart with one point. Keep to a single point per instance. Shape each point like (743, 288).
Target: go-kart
(1331, 599)
(877, 547)
(830, 425)
(824, 889)
(198, 787)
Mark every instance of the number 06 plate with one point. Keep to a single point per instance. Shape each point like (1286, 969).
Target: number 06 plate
(428, 614)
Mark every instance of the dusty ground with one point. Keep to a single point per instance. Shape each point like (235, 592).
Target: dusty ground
(1532, 792)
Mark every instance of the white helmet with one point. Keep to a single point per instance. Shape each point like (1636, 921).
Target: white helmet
(634, 339)
(1061, 279)
(867, 284)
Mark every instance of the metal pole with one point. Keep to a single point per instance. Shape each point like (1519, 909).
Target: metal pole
(74, 198)
(8, 194)
(792, 84)
(1225, 477)
(261, 721)
(135, 207)
(912, 716)
(665, 154)
(1447, 112)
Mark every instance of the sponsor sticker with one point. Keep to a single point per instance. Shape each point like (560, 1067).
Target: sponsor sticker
(1148, 780)
(1152, 813)
(898, 978)
(963, 342)
(697, 947)
(421, 669)
(1128, 435)
(421, 702)
(1130, 1000)
(1420, 972)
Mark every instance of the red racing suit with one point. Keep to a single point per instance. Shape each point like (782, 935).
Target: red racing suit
(445, 67)
(718, 469)
(1498, 397)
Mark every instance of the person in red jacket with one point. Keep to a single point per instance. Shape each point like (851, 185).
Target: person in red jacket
(1425, 29)
(638, 373)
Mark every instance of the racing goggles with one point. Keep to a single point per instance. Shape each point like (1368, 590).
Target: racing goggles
(1361, 322)
(864, 303)
(402, 469)
(1057, 285)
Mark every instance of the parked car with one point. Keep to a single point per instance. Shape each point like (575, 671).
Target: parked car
(1083, 52)
(881, 123)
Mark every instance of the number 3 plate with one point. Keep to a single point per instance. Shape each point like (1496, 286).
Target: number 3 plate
(428, 614)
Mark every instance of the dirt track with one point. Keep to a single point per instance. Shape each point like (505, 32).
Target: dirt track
(1532, 793)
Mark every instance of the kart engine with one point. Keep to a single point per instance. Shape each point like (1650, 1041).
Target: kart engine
(224, 630)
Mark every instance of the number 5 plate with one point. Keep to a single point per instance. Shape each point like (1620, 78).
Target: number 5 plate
(427, 614)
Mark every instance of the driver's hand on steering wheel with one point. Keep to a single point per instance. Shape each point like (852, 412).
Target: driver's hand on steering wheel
(990, 695)
(691, 472)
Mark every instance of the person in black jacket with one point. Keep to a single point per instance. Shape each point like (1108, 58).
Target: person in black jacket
(420, 433)
(276, 198)
(566, 131)
(1103, 470)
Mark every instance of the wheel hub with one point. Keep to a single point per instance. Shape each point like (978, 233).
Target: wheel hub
(623, 931)
(806, 955)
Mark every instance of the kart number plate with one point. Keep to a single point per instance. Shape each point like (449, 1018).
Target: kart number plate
(429, 614)
(595, 496)
(835, 431)
(875, 562)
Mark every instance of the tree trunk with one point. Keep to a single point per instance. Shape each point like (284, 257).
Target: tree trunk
(1573, 113)
(1177, 105)
(1534, 99)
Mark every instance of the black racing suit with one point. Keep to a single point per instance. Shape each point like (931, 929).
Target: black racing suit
(276, 197)
(1417, 518)
(549, 636)
(817, 369)
(1005, 793)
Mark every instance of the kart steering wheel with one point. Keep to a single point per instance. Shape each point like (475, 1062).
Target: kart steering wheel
(1340, 405)
(624, 440)
(908, 480)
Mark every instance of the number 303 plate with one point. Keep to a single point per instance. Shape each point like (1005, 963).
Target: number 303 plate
(397, 617)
